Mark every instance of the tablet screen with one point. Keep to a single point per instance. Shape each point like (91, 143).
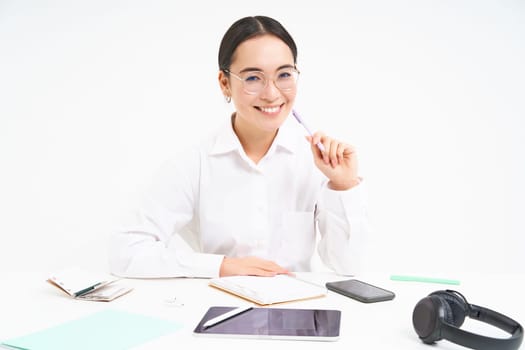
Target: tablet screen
(275, 323)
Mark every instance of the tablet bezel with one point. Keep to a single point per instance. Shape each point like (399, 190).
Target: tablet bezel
(236, 327)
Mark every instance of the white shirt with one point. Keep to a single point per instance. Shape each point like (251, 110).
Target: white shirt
(214, 201)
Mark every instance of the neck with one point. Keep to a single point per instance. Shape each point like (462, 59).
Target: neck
(255, 142)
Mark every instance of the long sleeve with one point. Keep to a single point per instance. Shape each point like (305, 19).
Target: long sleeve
(342, 222)
(153, 244)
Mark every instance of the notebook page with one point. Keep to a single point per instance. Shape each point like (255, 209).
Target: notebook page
(269, 290)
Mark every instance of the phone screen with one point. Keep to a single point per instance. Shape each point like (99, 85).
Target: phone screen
(359, 290)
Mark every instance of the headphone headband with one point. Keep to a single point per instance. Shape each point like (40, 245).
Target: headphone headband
(495, 319)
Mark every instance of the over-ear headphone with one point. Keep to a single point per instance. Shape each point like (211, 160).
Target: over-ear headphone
(440, 314)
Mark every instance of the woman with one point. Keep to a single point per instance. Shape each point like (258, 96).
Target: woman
(253, 195)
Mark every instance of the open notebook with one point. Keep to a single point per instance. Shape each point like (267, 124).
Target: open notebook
(269, 290)
(85, 284)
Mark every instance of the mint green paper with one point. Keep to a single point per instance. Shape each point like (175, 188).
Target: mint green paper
(109, 329)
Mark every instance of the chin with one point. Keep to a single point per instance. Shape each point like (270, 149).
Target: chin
(273, 125)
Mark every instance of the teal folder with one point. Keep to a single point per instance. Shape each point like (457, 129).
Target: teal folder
(109, 329)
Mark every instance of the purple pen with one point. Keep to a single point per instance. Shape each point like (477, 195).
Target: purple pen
(301, 121)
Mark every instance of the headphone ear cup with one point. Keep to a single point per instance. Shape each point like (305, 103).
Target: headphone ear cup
(426, 318)
(440, 315)
(458, 309)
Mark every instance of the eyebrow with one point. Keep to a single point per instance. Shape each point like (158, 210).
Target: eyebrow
(254, 69)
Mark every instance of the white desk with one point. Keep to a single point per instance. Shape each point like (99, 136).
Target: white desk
(29, 304)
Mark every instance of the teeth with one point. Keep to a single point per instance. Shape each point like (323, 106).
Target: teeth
(270, 109)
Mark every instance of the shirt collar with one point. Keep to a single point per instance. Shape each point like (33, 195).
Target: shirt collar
(227, 141)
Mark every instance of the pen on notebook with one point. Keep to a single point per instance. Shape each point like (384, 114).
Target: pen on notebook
(227, 315)
(301, 121)
(87, 290)
(423, 279)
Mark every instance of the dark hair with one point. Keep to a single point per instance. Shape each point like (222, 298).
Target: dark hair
(247, 28)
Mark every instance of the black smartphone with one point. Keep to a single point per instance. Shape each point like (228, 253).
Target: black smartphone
(359, 290)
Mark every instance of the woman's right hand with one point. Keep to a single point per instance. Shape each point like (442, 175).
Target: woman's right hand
(250, 265)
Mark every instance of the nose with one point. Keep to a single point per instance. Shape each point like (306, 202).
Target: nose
(270, 92)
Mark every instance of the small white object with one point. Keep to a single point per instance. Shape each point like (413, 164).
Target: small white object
(173, 302)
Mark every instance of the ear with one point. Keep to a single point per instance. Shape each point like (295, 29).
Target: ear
(224, 83)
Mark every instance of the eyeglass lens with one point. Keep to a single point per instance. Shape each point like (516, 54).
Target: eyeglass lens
(255, 81)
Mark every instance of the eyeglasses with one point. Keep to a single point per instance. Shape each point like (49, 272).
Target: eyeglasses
(254, 82)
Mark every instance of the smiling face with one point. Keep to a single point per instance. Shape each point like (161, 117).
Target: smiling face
(261, 113)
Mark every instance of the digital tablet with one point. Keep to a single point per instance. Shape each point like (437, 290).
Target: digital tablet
(273, 323)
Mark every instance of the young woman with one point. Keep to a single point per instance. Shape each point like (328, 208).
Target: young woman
(253, 196)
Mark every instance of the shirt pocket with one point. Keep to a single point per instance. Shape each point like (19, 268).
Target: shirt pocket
(295, 242)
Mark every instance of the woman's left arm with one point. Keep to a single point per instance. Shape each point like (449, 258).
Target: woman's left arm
(342, 214)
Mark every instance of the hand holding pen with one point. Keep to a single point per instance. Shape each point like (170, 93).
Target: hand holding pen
(337, 160)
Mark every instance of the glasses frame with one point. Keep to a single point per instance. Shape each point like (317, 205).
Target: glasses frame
(227, 71)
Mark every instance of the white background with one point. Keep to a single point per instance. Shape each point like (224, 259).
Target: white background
(94, 95)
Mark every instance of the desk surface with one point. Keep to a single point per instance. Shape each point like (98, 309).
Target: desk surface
(29, 304)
